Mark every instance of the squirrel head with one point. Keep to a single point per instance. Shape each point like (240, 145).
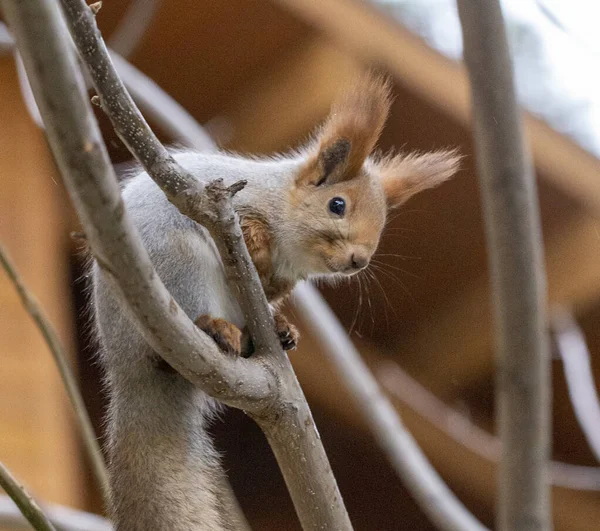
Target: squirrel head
(340, 198)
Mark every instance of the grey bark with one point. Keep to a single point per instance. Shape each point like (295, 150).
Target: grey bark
(265, 386)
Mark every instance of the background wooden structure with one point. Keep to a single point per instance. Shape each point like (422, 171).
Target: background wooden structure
(261, 79)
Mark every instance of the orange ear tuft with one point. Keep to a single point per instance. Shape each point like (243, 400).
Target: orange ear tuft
(403, 176)
(352, 129)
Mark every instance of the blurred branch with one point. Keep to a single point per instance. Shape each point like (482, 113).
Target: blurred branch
(64, 518)
(26, 504)
(133, 25)
(28, 98)
(433, 495)
(69, 379)
(166, 112)
(405, 388)
(515, 253)
(575, 356)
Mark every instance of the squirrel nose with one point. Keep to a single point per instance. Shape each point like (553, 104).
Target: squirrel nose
(358, 261)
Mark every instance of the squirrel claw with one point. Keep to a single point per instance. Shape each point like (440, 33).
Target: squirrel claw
(288, 333)
(226, 335)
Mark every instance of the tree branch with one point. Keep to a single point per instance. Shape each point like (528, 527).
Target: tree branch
(64, 518)
(265, 386)
(26, 504)
(64, 368)
(575, 357)
(411, 393)
(429, 490)
(512, 223)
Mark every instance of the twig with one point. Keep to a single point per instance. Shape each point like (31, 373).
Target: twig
(419, 399)
(430, 491)
(26, 504)
(64, 518)
(514, 244)
(578, 374)
(61, 359)
(264, 386)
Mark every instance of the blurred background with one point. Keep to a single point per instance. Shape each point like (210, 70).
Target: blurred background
(260, 75)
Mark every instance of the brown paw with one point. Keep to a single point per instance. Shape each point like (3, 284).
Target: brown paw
(288, 333)
(225, 334)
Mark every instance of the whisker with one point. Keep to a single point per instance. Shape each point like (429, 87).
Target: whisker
(395, 279)
(395, 268)
(401, 256)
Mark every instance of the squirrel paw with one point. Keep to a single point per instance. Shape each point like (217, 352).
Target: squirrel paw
(225, 334)
(287, 332)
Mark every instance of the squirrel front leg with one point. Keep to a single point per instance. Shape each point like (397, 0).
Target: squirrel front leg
(232, 340)
(225, 334)
(287, 332)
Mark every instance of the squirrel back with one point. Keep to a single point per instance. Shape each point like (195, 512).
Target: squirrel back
(317, 212)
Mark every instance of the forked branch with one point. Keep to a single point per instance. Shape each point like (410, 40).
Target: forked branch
(265, 385)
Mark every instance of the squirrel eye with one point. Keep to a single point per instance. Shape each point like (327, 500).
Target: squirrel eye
(338, 206)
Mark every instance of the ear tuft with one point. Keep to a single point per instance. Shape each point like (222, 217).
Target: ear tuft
(333, 160)
(403, 176)
(352, 129)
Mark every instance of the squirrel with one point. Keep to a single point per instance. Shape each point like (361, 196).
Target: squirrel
(315, 212)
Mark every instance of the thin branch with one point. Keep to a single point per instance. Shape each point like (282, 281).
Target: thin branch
(26, 504)
(61, 359)
(419, 399)
(511, 215)
(429, 490)
(28, 98)
(64, 518)
(575, 356)
(182, 189)
(264, 386)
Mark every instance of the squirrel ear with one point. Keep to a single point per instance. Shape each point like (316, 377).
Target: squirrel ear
(403, 176)
(350, 132)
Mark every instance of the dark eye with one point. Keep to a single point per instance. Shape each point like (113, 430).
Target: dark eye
(338, 206)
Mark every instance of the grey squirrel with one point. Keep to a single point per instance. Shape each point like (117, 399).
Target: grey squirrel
(316, 212)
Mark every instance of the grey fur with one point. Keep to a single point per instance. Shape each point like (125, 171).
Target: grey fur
(163, 465)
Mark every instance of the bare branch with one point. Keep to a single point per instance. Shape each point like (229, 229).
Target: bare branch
(64, 368)
(64, 518)
(578, 374)
(403, 387)
(265, 386)
(91, 183)
(430, 491)
(518, 280)
(182, 189)
(26, 504)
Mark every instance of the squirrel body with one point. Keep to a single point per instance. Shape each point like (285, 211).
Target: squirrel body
(318, 212)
